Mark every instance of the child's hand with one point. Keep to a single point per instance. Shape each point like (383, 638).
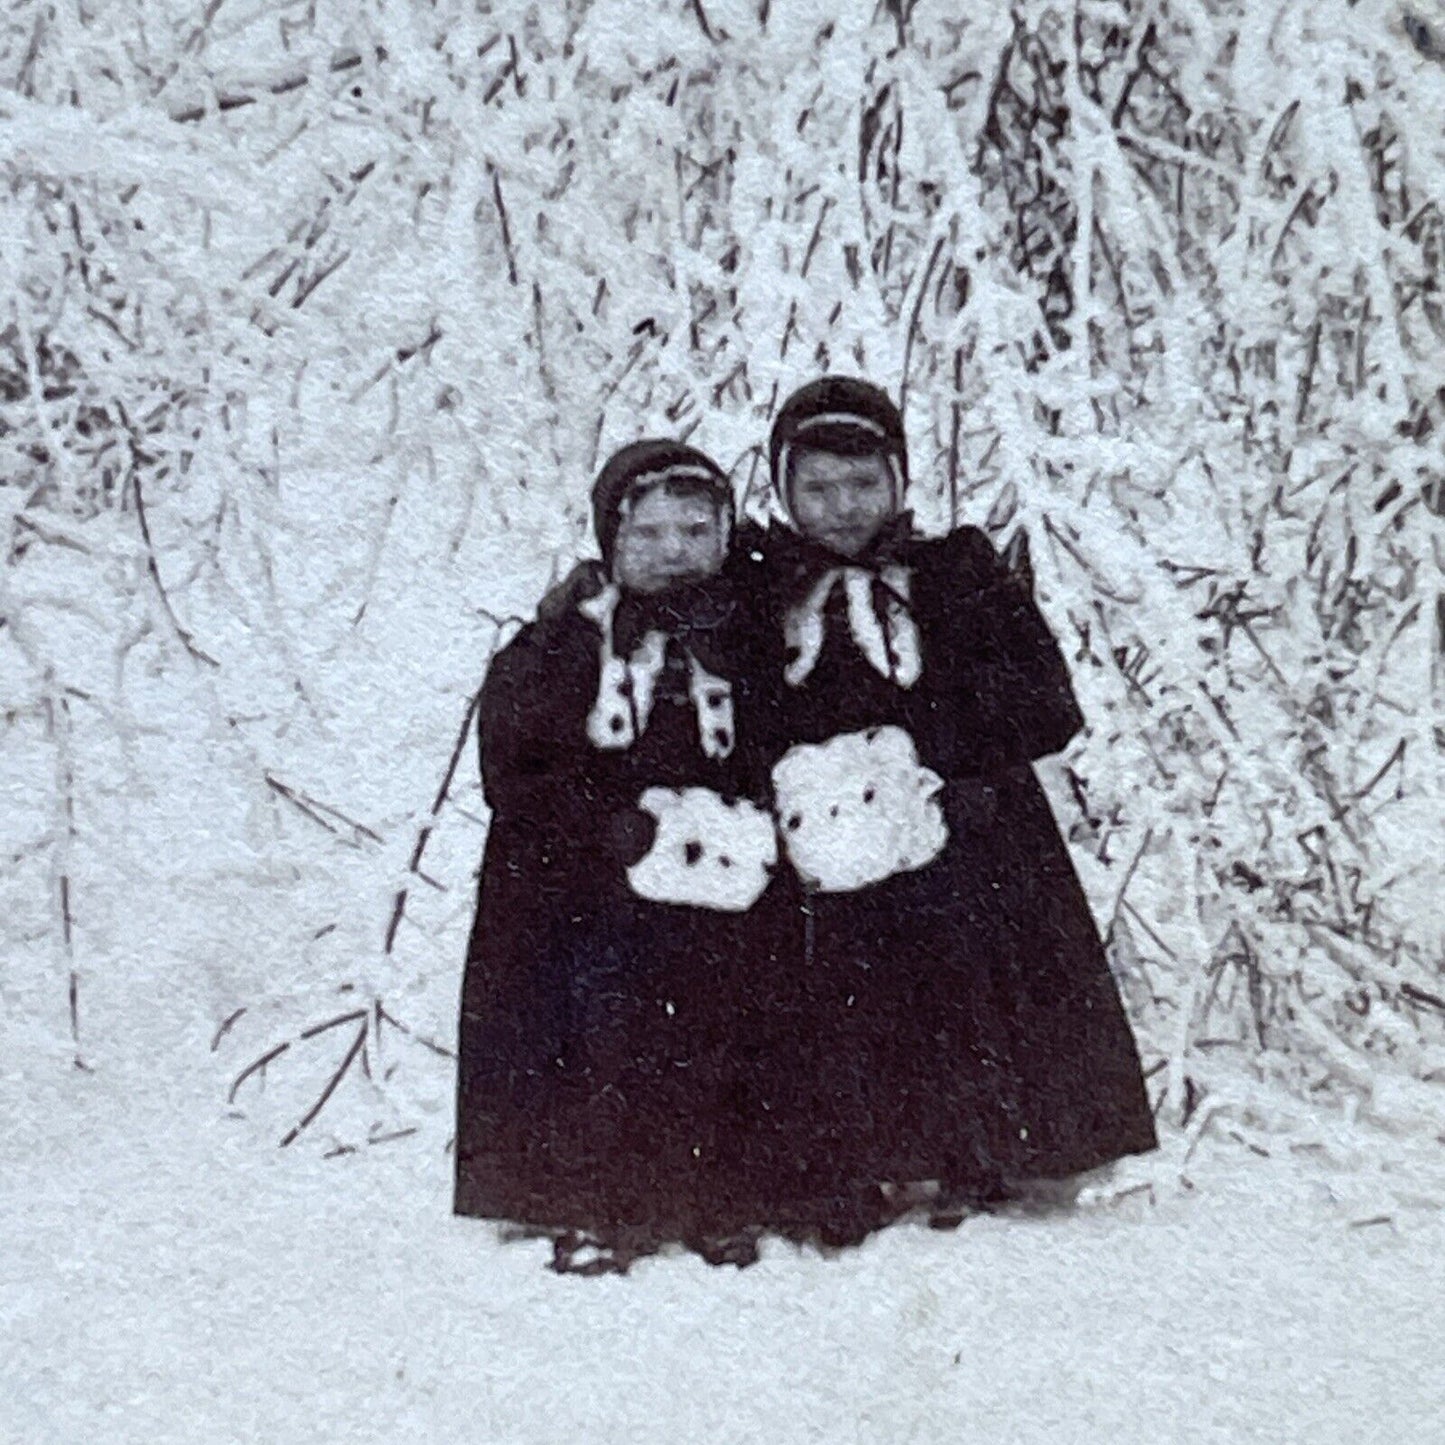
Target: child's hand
(586, 579)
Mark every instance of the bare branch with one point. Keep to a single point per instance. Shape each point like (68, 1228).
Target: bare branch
(505, 224)
(425, 832)
(342, 1069)
(153, 568)
(237, 98)
(323, 814)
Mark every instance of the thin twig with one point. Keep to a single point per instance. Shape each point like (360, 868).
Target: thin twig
(1072, 549)
(153, 568)
(255, 1066)
(322, 813)
(229, 100)
(913, 322)
(424, 834)
(1423, 996)
(505, 224)
(392, 1135)
(1397, 755)
(1131, 870)
(227, 1024)
(351, 1016)
(305, 288)
(383, 1015)
(814, 238)
(1307, 376)
(702, 20)
(331, 1086)
(58, 709)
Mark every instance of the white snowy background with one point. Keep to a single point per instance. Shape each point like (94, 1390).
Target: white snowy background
(318, 318)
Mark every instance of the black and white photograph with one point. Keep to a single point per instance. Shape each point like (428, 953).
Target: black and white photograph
(722, 720)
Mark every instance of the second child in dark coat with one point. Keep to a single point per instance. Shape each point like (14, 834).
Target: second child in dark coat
(948, 1014)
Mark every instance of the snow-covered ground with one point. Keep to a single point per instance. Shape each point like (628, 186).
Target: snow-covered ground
(165, 1280)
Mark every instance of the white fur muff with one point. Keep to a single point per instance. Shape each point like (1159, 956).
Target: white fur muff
(708, 853)
(858, 808)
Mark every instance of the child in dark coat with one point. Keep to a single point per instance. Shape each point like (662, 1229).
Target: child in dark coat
(625, 869)
(944, 1014)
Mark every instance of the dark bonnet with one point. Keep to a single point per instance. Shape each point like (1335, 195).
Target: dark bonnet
(646, 464)
(838, 414)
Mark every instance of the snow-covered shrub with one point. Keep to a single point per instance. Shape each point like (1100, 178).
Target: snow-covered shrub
(320, 316)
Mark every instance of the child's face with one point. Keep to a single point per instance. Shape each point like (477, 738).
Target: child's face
(841, 502)
(664, 539)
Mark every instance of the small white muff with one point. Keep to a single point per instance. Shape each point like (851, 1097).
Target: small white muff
(857, 809)
(707, 853)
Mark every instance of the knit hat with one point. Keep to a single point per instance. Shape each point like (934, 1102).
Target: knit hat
(639, 467)
(843, 415)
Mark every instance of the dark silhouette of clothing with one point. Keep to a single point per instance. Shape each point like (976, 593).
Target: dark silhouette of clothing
(957, 1022)
(593, 1047)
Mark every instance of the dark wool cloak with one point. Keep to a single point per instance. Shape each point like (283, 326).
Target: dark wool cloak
(592, 1081)
(959, 1022)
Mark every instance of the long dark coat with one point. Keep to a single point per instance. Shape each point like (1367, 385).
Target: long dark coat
(594, 1023)
(957, 1023)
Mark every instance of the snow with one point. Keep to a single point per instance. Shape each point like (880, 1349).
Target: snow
(164, 1282)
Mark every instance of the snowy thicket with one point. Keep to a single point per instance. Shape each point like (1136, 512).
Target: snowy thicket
(319, 316)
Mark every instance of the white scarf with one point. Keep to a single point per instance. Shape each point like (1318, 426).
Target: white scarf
(889, 641)
(627, 686)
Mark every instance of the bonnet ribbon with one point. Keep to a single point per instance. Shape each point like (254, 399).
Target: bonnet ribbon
(879, 617)
(627, 686)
